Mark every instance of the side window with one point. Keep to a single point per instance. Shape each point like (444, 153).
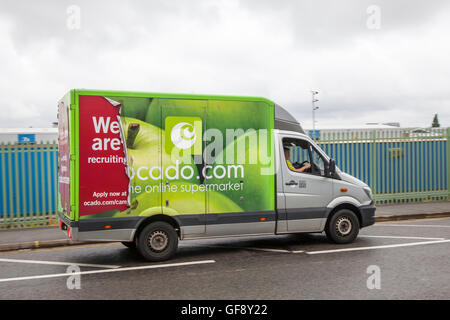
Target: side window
(301, 157)
(317, 163)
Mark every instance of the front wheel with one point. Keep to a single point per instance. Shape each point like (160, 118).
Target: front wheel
(342, 227)
(158, 241)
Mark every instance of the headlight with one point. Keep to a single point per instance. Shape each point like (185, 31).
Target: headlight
(368, 191)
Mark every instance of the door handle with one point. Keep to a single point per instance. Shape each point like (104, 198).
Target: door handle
(291, 183)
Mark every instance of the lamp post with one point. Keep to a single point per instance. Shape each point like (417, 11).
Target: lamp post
(314, 108)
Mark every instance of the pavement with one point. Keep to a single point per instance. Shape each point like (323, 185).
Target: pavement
(47, 237)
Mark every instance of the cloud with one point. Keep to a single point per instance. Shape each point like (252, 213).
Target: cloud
(278, 50)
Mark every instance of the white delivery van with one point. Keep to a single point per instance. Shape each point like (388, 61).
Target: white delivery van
(150, 169)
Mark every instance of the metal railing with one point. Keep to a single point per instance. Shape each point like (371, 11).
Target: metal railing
(28, 184)
(401, 165)
(398, 166)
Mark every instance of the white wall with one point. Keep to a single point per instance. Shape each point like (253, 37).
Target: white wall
(41, 135)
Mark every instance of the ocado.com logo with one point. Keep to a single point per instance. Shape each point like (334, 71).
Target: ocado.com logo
(184, 133)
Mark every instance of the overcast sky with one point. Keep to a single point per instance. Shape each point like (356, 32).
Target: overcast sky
(371, 61)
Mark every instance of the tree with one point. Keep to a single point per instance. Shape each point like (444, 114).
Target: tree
(435, 123)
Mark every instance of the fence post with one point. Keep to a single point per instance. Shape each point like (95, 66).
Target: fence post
(373, 171)
(448, 162)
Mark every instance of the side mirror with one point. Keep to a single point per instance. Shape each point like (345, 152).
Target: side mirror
(332, 167)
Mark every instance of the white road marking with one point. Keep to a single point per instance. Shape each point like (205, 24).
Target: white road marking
(107, 270)
(398, 237)
(379, 247)
(266, 249)
(250, 248)
(59, 263)
(415, 220)
(413, 225)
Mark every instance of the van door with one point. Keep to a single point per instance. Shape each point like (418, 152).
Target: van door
(183, 123)
(240, 178)
(306, 188)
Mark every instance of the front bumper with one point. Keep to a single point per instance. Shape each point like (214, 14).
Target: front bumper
(367, 215)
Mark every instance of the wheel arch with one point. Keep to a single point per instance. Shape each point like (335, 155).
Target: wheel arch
(348, 206)
(158, 217)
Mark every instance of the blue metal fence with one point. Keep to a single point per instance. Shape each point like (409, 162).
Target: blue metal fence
(28, 183)
(398, 168)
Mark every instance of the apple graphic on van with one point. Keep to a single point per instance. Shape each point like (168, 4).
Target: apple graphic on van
(185, 202)
(257, 176)
(220, 115)
(179, 202)
(133, 107)
(223, 115)
(148, 163)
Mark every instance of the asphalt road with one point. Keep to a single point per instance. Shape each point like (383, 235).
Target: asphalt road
(401, 260)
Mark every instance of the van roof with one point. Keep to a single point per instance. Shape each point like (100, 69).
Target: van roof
(283, 119)
(169, 95)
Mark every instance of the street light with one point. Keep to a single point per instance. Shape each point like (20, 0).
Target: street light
(314, 108)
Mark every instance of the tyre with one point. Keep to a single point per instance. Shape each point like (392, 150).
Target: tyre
(342, 227)
(158, 241)
(131, 245)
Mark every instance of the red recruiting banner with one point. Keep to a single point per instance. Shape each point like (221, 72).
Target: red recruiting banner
(103, 179)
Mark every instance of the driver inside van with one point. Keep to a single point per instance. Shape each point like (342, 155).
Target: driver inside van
(287, 152)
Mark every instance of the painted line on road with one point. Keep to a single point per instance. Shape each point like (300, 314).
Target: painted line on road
(413, 225)
(378, 247)
(398, 237)
(59, 263)
(249, 248)
(433, 219)
(45, 276)
(265, 249)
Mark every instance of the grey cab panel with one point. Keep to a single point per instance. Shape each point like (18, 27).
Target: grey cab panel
(306, 193)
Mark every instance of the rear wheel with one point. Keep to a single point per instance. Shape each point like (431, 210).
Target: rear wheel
(158, 241)
(342, 227)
